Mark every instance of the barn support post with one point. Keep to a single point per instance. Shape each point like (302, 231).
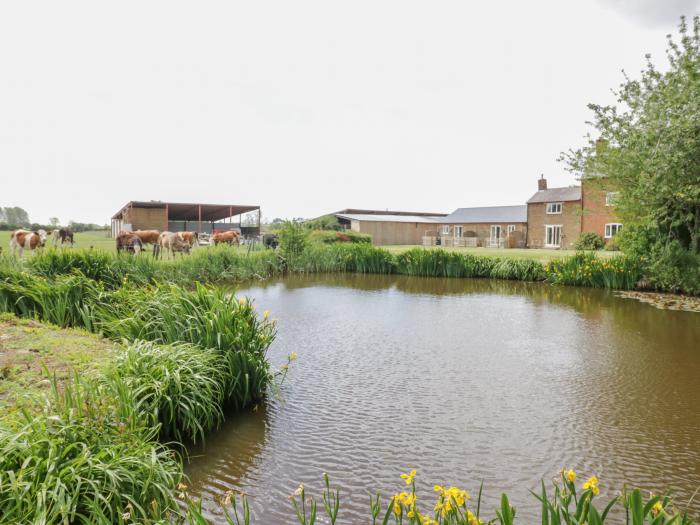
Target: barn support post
(167, 217)
(199, 219)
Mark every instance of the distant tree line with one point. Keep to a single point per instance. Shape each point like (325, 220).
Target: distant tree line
(14, 218)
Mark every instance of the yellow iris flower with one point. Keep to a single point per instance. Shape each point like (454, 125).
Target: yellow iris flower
(570, 475)
(409, 477)
(592, 484)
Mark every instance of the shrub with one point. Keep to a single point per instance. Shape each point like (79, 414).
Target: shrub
(612, 244)
(585, 269)
(589, 241)
(293, 238)
(331, 237)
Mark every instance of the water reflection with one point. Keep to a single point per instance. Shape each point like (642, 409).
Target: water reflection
(464, 380)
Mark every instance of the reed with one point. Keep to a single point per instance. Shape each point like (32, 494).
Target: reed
(585, 269)
(83, 460)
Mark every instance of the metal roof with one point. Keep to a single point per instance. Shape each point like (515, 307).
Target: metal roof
(570, 193)
(388, 218)
(488, 214)
(181, 211)
(357, 211)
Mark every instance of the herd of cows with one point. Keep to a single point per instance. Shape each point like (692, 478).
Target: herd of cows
(127, 241)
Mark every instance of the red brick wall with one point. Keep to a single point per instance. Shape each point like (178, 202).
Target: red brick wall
(595, 213)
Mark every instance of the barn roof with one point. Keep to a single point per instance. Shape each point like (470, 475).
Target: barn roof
(181, 211)
(371, 217)
(569, 193)
(487, 214)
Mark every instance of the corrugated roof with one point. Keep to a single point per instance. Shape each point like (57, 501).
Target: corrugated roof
(182, 211)
(388, 218)
(570, 193)
(488, 214)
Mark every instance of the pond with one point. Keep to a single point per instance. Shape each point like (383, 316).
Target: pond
(463, 380)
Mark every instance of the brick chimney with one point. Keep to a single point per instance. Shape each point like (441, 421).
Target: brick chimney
(541, 183)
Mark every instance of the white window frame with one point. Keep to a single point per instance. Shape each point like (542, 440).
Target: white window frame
(457, 229)
(445, 230)
(610, 197)
(561, 231)
(551, 206)
(511, 228)
(609, 229)
(496, 227)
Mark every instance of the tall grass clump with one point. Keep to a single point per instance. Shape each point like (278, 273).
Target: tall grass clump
(356, 258)
(178, 387)
(585, 269)
(85, 459)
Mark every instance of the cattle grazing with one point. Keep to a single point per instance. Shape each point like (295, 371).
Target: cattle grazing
(174, 243)
(25, 240)
(128, 242)
(228, 237)
(270, 241)
(62, 235)
(149, 237)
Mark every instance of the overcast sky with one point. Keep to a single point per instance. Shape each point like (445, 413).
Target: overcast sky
(305, 107)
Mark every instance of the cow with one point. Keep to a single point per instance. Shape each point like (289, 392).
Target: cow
(173, 242)
(23, 239)
(190, 238)
(270, 241)
(62, 235)
(149, 237)
(228, 237)
(128, 242)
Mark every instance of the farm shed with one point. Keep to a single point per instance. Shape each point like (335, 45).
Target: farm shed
(490, 226)
(387, 227)
(178, 216)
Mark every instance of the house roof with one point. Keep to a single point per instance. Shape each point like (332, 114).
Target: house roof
(357, 211)
(180, 211)
(569, 193)
(487, 214)
(370, 217)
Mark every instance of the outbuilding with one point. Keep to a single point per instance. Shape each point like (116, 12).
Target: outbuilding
(179, 216)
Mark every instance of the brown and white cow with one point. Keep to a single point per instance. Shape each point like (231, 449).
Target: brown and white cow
(228, 237)
(25, 240)
(149, 237)
(128, 242)
(174, 243)
(190, 238)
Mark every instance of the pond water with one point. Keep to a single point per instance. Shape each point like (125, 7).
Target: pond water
(463, 380)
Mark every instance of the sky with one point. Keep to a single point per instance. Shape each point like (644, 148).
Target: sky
(306, 107)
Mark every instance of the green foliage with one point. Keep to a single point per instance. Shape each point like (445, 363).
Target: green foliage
(589, 241)
(85, 460)
(326, 222)
(332, 237)
(585, 269)
(293, 238)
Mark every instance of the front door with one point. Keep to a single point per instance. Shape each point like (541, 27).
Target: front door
(552, 236)
(495, 232)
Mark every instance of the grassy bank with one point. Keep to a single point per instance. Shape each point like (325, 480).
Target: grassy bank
(92, 450)
(538, 254)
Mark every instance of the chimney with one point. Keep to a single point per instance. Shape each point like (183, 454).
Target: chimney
(541, 183)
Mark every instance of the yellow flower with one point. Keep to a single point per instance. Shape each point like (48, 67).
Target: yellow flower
(397, 505)
(592, 484)
(658, 507)
(570, 475)
(409, 477)
(293, 356)
(241, 301)
(266, 314)
(458, 495)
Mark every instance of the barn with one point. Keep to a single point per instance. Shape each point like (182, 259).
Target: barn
(390, 227)
(179, 216)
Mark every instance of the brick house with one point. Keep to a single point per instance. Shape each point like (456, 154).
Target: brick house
(598, 202)
(554, 217)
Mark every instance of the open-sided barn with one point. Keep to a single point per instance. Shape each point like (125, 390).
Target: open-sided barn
(178, 216)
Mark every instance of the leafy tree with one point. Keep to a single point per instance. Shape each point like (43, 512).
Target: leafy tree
(54, 221)
(14, 216)
(648, 144)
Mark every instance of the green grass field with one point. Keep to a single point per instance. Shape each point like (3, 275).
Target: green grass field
(538, 254)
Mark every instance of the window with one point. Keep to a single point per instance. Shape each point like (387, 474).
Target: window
(554, 207)
(612, 229)
(552, 235)
(511, 228)
(458, 232)
(445, 230)
(611, 198)
(495, 232)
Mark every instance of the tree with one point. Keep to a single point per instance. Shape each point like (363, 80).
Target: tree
(652, 138)
(54, 221)
(14, 216)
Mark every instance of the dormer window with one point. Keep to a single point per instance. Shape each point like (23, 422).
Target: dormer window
(553, 207)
